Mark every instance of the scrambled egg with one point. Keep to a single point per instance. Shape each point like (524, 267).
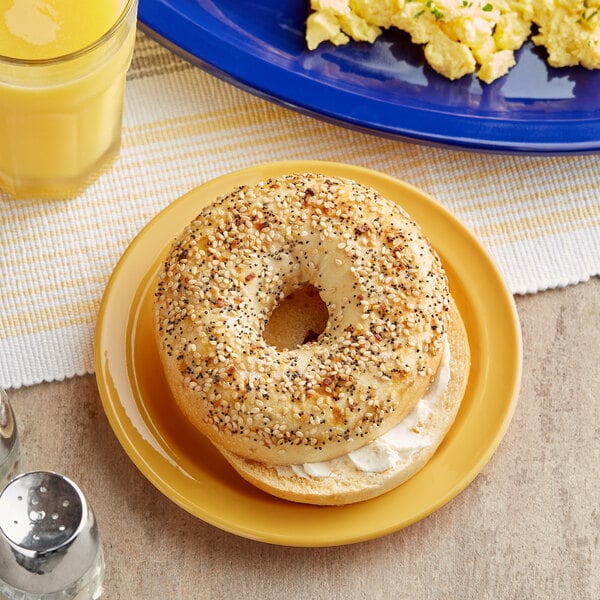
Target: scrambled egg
(569, 30)
(463, 36)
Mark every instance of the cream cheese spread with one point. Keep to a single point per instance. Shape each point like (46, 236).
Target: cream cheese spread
(396, 446)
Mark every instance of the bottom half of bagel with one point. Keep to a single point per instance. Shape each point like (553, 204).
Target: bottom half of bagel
(388, 461)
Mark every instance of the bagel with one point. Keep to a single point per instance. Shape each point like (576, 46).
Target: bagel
(317, 384)
(388, 461)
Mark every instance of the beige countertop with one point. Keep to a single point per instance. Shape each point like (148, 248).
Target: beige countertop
(527, 527)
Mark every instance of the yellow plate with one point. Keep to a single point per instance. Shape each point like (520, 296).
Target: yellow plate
(185, 467)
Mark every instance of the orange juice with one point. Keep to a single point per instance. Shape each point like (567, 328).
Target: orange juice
(62, 81)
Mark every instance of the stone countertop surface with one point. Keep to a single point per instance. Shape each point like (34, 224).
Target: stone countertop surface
(527, 527)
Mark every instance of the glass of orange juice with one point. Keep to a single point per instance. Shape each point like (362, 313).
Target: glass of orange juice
(62, 85)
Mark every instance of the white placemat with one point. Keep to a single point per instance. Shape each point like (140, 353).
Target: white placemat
(538, 217)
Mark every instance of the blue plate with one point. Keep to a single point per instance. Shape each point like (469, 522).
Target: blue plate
(384, 88)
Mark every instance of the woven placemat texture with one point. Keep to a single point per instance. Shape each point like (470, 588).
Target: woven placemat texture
(538, 217)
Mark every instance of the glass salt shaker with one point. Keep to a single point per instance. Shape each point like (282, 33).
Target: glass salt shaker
(9, 440)
(50, 547)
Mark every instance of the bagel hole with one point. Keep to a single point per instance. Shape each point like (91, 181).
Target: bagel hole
(299, 318)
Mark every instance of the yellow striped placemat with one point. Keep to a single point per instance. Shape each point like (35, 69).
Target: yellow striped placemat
(539, 217)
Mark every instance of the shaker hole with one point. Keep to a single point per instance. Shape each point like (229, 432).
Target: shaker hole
(65, 503)
(43, 489)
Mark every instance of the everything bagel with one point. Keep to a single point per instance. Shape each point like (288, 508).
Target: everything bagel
(329, 392)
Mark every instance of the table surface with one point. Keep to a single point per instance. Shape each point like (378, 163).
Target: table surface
(527, 527)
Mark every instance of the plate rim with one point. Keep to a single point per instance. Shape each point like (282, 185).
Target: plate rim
(170, 27)
(249, 532)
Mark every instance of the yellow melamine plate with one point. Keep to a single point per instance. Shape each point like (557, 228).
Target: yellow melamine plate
(185, 467)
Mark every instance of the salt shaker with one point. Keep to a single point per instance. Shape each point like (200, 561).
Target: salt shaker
(9, 440)
(50, 547)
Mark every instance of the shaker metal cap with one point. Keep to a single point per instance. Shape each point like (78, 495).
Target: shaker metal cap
(41, 512)
(48, 534)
